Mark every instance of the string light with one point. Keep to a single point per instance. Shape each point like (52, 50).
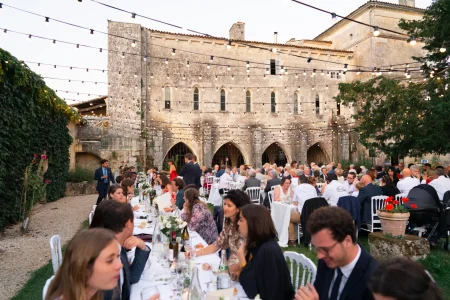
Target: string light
(47, 19)
(187, 64)
(309, 60)
(412, 40)
(133, 15)
(229, 45)
(442, 49)
(345, 67)
(92, 31)
(166, 61)
(173, 52)
(376, 31)
(133, 43)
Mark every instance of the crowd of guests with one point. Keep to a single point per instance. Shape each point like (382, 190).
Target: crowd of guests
(96, 266)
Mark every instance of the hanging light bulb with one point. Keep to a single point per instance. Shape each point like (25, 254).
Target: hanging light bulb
(173, 51)
(229, 68)
(248, 64)
(274, 50)
(345, 67)
(151, 75)
(322, 73)
(229, 45)
(123, 54)
(376, 31)
(333, 17)
(390, 70)
(304, 73)
(309, 60)
(216, 77)
(248, 70)
(187, 64)
(166, 61)
(47, 19)
(133, 15)
(412, 40)
(208, 66)
(359, 72)
(145, 58)
(442, 49)
(133, 43)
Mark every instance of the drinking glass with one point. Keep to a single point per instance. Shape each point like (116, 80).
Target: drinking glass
(147, 293)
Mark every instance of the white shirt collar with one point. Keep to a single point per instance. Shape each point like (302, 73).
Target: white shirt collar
(347, 270)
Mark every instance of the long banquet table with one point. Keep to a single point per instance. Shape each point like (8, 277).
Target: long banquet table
(164, 288)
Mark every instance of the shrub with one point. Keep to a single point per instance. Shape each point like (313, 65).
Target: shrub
(80, 174)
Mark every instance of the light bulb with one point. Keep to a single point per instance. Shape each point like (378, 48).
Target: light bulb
(412, 40)
(133, 43)
(229, 45)
(376, 31)
(442, 49)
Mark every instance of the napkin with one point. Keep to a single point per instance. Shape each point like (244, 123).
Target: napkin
(215, 295)
(154, 270)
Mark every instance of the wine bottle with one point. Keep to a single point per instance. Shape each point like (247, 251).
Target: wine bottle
(176, 247)
(185, 239)
(173, 244)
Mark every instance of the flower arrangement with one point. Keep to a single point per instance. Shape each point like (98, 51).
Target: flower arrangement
(168, 224)
(142, 178)
(394, 206)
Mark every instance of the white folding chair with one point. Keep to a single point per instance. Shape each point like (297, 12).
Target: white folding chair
(91, 216)
(300, 233)
(254, 193)
(270, 197)
(377, 202)
(209, 183)
(94, 207)
(216, 179)
(306, 270)
(399, 197)
(273, 187)
(47, 284)
(55, 249)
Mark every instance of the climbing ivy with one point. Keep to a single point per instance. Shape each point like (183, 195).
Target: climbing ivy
(32, 120)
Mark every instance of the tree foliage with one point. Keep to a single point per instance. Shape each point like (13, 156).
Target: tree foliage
(32, 120)
(409, 119)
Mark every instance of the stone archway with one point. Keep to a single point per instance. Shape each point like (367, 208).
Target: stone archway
(275, 154)
(86, 160)
(228, 154)
(317, 153)
(177, 153)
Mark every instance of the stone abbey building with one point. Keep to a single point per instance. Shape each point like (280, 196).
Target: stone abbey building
(233, 100)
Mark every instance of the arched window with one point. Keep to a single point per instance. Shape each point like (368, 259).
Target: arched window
(273, 104)
(338, 108)
(196, 99)
(317, 105)
(248, 101)
(222, 100)
(167, 97)
(295, 104)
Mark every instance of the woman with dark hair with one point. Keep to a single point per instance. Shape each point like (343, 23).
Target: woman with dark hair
(283, 192)
(230, 237)
(166, 186)
(198, 216)
(172, 170)
(389, 189)
(128, 191)
(392, 173)
(115, 192)
(91, 264)
(399, 278)
(97, 219)
(265, 271)
(177, 187)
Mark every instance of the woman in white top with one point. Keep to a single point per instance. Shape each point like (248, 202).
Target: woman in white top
(242, 177)
(283, 192)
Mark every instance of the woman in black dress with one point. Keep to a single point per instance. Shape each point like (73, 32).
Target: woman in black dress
(264, 268)
(388, 187)
(392, 172)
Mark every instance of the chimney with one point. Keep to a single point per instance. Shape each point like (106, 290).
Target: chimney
(237, 31)
(411, 3)
(275, 37)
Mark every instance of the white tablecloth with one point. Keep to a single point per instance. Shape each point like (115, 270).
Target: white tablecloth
(281, 214)
(164, 288)
(214, 196)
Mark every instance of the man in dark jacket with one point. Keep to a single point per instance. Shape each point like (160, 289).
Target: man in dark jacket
(344, 267)
(365, 197)
(119, 218)
(191, 172)
(104, 176)
(252, 181)
(273, 181)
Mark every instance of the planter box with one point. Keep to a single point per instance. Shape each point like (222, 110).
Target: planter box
(410, 246)
(80, 188)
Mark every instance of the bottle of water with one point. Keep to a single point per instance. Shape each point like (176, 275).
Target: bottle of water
(195, 289)
(223, 277)
(157, 245)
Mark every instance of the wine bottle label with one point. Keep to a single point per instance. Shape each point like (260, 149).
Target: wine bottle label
(170, 255)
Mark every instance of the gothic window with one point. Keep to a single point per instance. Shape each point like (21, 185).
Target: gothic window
(248, 101)
(167, 97)
(273, 104)
(317, 105)
(295, 104)
(273, 67)
(196, 96)
(222, 100)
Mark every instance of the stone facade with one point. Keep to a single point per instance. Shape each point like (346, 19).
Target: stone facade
(166, 88)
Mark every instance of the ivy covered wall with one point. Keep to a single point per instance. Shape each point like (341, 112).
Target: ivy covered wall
(32, 119)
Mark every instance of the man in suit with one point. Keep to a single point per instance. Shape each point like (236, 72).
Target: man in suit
(190, 171)
(273, 181)
(199, 171)
(344, 267)
(119, 218)
(104, 176)
(251, 181)
(365, 197)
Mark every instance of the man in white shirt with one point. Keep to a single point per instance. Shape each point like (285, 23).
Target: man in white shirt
(334, 190)
(408, 182)
(234, 174)
(349, 184)
(440, 184)
(304, 191)
(224, 181)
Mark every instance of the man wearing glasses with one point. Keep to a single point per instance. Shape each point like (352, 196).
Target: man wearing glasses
(344, 267)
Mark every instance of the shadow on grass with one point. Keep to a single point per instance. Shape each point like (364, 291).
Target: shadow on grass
(34, 286)
(437, 263)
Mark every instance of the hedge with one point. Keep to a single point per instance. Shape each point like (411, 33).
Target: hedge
(32, 119)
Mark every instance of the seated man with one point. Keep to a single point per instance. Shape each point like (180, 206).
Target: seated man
(365, 197)
(304, 191)
(408, 182)
(440, 184)
(119, 217)
(334, 189)
(225, 180)
(344, 268)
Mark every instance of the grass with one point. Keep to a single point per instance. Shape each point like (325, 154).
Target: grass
(33, 287)
(437, 263)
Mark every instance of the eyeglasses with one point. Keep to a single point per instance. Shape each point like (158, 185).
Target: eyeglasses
(324, 250)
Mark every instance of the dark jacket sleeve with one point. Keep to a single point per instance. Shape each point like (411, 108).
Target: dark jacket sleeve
(362, 196)
(98, 174)
(268, 186)
(183, 170)
(138, 265)
(180, 200)
(111, 176)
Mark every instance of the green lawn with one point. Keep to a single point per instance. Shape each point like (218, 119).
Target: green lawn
(437, 263)
(33, 288)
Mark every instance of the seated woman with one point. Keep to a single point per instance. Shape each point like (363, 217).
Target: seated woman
(128, 191)
(91, 264)
(177, 187)
(283, 192)
(392, 173)
(115, 192)
(265, 271)
(388, 187)
(399, 278)
(230, 237)
(198, 216)
(242, 177)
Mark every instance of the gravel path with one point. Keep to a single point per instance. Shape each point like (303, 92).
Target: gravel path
(22, 254)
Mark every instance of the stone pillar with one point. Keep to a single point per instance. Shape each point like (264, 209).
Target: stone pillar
(207, 148)
(157, 145)
(257, 151)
